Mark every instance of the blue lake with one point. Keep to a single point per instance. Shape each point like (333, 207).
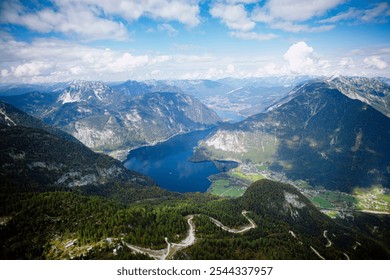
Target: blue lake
(167, 163)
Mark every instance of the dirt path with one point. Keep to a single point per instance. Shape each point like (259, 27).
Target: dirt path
(316, 252)
(242, 229)
(326, 237)
(190, 239)
(155, 254)
(186, 242)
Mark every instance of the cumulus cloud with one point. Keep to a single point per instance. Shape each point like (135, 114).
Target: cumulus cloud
(127, 62)
(33, 68)
(299, 57)
(70, 19)
(55, 60)
(234, 16)
(375, 61)
(51, 60)
(96, 19)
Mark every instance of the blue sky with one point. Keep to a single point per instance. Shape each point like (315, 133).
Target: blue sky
(61, 40)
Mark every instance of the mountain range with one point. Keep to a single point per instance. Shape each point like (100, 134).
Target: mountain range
(61, 200)
(115, 121)
(37, 157)
(331, 132)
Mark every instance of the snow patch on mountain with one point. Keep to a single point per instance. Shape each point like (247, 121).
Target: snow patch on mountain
(7, 119)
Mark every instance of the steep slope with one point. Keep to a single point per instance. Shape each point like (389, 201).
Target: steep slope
(288, 226)
(370, 91)
(34, 156)
(316, 134)
(116, 121)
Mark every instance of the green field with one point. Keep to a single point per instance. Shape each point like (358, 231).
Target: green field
(249, 177)
(235, 182)
(262, 167)
(321, 202)
(222, 187)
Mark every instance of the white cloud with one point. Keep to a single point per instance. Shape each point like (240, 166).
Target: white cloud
(71, 19)
(347, 62)
(97, 19)
(49, 60)
(253, 35)
(155, 72)
(293, 27)
(230, 69)
(234, 16)
(299, 57)
(288, 15)
(183, 11)
(30, 69)
(127, 62)
(376, 62)
(241, 1)
(298, 10)
(166, 27)
(272, 69)
(377, 13)
(5, 73)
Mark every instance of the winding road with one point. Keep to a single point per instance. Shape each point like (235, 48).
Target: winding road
(172, 248)
(326, 237)
(236, 230)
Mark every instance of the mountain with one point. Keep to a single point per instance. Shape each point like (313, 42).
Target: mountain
(316, 133)
(115, 121)
(60, 200)
(270, 221)
(287, 226)
(134, 88)
(370, 91)
(34, 156)
(235, 99)
(18, 89)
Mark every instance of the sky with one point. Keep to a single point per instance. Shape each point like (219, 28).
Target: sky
(115, 40)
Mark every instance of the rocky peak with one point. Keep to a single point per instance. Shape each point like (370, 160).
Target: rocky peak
(81, 90)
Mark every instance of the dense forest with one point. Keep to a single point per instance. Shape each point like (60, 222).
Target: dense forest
(67, 224)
